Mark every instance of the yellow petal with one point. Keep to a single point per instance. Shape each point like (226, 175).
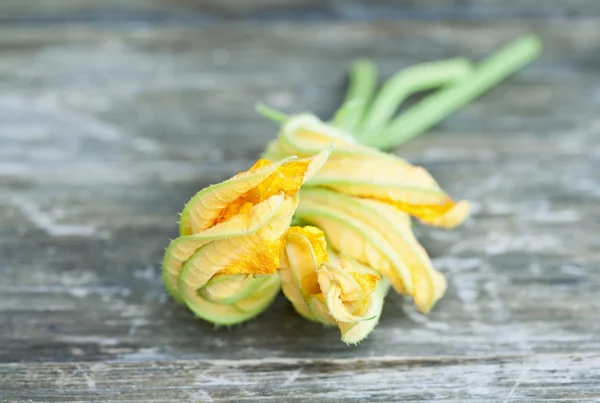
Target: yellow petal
(429, 284)
(365, 172)
(347, 288)
(355, 236)
(382, 179)
(205, 208)
(341, 293)
(305, 136)
(376, 234)
(355, 332)
(337, 307)
(302, 255)
(354, 295)
(408, 187)
(257, 253)
(236, 196)
(319, 310)
(453, 217)
(275, 152)
(181, 249)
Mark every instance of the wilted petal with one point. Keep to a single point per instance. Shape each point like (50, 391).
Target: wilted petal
(306, 135)
(368, 244)
(453, 217)
(223, 266)
(354, 295)
(341, 291)
(207, 206)
(376, 234)
(428, 284)
(220, 202)
(409, 188)
(365, 172)
(182, 248)
(301, 257)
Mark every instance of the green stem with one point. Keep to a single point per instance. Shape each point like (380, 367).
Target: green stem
(363, 79)
(438, 106)
(420, 77)
(271, 114)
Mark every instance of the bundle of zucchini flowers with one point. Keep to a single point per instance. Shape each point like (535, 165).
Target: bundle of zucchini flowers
(326, 214)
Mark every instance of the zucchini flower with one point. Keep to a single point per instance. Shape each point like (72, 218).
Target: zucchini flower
(362, 199)
(223, 265)
(329, 289)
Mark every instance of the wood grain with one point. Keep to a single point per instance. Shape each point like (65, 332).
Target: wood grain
(208, 12)
(556, 378)
(107, 129)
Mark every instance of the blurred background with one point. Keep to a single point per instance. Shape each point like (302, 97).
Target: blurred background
(114, 113)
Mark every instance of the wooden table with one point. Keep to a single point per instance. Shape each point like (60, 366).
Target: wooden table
(113, 113)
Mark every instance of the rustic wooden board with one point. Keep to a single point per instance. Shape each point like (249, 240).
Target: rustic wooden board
(381, 379)
(215, 11)
(107, 129)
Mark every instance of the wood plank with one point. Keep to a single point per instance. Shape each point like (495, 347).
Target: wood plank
(105, 132)
(215, 11)
(541, 378)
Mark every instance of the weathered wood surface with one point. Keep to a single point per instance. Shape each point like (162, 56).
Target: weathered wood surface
(382, 379)
(107, 129)
(215, 11)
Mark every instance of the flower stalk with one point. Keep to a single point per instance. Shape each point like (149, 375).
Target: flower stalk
(369, 116)
(436, 107)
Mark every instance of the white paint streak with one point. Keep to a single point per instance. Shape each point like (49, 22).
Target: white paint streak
(147, 273)
(46, 221)
(499, 244)
(423, 320)
(89, 381)
(499, 208)
(135, 323)
(485, 187)
(109, 292)
(145, 354)
(340, 361)
(535, 268)
(572, 270)
(520, 378)
(280, 99)
(292, 377)
(201, 396)
(102, 341)
(556, 216)
(495, 302)
(109, 133)
(204, 379)
(90, 125)
(464, 276)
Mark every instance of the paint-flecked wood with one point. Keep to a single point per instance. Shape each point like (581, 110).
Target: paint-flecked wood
(107, 129)
(215, 11)
(555, 378)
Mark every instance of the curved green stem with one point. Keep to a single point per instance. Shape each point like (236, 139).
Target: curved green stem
(406, 82)
(271, 114)
(438, 106)
(363, 79)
